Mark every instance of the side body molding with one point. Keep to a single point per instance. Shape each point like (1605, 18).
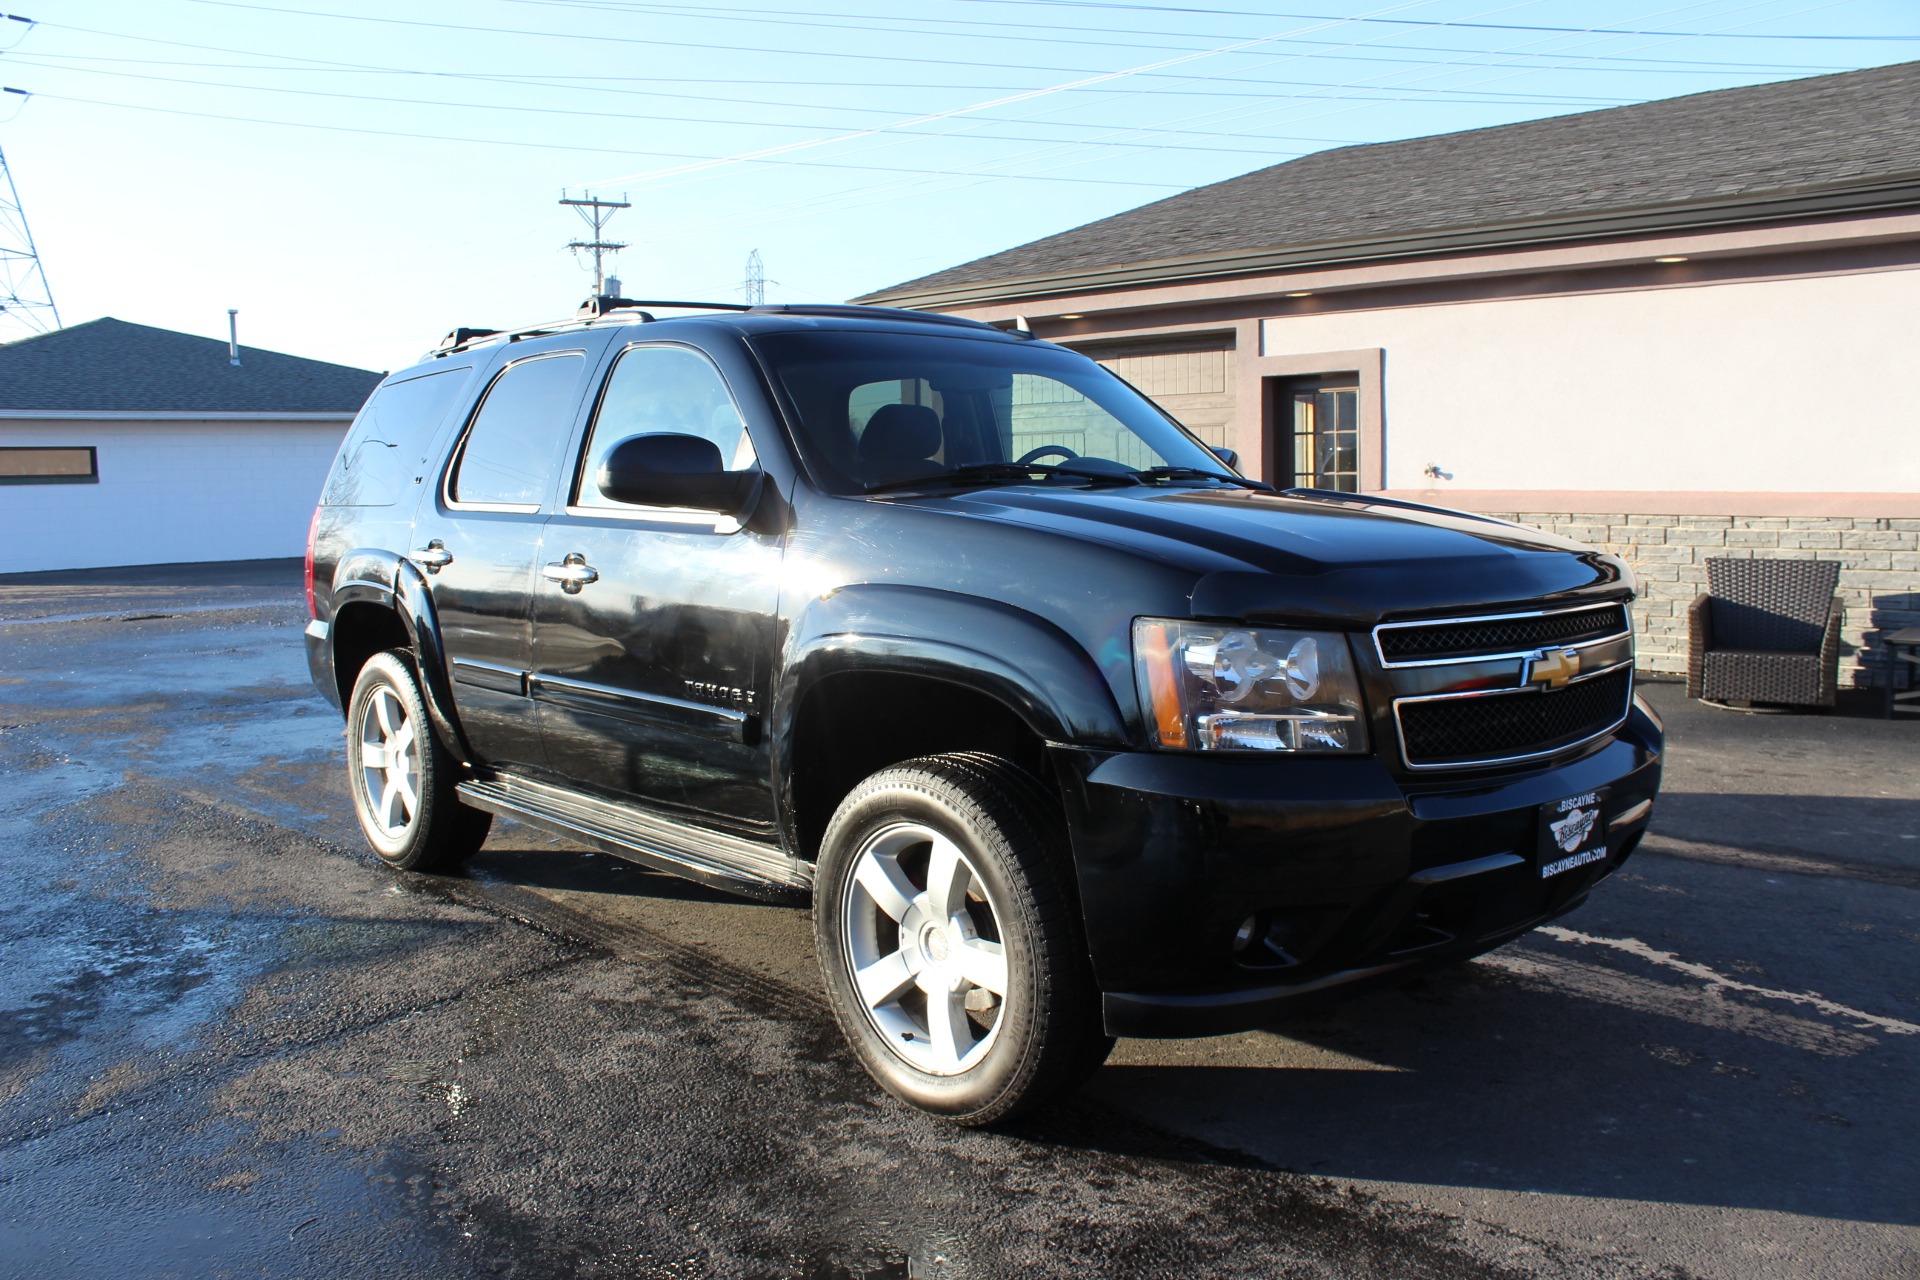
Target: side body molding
(392, 581)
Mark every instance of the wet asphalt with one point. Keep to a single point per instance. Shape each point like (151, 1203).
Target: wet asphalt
(232, 1044)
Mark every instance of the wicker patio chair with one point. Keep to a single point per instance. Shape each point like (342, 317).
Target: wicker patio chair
(1766, 631)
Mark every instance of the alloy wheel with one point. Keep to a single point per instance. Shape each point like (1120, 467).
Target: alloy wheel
(389, 763)
(923, 943)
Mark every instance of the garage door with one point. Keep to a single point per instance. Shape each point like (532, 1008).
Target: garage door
(1194, 386)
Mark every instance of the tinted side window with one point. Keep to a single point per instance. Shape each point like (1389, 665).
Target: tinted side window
(378, 459)
(663, 389)
(512, 447)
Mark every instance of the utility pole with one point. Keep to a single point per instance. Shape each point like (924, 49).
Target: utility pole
(596, 213)
(26, 300)
(756, 283)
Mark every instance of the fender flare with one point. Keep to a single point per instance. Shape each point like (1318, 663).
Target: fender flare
(371, 576)
(1039, 672)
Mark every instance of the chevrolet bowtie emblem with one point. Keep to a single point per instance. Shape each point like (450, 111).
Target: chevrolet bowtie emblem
(1551, 667)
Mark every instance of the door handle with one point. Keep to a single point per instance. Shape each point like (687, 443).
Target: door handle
(572, 572)
(433, 557)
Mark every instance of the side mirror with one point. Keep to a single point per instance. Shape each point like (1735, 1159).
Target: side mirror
(1229, 456)
(667, 470)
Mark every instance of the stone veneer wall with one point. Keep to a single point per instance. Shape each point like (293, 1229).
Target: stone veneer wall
(1879, 575)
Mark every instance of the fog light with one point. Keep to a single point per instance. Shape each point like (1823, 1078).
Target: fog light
(1244, 935)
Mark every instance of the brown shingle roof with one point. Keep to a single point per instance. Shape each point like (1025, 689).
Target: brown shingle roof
(1765, 139)
(115, 366)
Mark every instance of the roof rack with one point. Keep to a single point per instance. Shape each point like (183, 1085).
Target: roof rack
(860, 310)
(595, 307)
(462, 336)
(604, 306)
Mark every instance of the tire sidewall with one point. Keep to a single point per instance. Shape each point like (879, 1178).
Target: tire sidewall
(980, 1088)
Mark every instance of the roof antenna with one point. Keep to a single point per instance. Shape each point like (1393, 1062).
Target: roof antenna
(233, 337)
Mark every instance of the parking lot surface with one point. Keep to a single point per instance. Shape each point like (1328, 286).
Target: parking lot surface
(231, 1043)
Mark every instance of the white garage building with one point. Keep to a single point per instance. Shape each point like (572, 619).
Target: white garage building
(124, 444)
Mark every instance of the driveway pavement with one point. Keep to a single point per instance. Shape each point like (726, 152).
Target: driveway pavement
(233, 1044)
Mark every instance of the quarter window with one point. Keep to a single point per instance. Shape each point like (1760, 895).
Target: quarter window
(662, 390)
(512, 448)
(78, 465)
(380, 453)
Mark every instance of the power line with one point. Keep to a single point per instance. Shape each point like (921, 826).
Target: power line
(1412, 22)
(605, 151)
(1104, 77)
(737, 48)
(37, 61)
(1110, 77)
(997, 30)
(603, 38)
(1567, 62)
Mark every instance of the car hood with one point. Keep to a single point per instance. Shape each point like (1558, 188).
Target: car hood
(1313, 556)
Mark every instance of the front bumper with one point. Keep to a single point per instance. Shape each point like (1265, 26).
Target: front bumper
(1355, 876)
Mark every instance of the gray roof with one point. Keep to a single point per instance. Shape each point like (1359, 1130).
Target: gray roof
(117, 367)
(1727, 147)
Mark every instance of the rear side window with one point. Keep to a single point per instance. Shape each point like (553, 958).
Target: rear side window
(381, 456)
(513, 447)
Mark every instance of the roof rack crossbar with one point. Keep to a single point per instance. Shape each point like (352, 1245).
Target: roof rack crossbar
(601, 304)
(859, 309)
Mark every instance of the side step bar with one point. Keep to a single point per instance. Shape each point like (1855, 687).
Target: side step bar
(712, 858)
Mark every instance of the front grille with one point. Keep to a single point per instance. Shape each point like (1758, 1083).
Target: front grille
(1501, 726)
(1438, 641)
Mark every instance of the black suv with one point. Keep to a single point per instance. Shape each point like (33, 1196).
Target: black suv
(1065, 729)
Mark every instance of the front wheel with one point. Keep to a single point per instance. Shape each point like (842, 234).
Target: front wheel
(404, 782)
(949, 942)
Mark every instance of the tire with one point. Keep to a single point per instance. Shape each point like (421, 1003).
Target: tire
(940, 879)
(403, 779)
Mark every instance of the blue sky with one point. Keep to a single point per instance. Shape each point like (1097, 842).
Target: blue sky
(359, 177)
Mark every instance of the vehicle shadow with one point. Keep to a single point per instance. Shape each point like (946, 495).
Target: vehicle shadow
(1866, 838)
(518, 856)
(1489, 1076)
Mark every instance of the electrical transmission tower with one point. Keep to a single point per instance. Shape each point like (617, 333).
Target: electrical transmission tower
(26, 300)
(596, 213)
(756, 282)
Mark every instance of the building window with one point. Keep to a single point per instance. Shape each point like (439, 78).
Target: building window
(78, 465)
(1325, 426)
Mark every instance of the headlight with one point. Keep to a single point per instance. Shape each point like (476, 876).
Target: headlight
(1207, 687)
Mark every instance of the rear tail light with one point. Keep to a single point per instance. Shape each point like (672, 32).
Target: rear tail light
(313, 527)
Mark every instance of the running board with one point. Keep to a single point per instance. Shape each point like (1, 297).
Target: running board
(712, 858)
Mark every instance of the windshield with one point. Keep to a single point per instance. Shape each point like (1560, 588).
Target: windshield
(883, 410)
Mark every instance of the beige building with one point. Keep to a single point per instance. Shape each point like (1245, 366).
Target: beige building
(1684, 329)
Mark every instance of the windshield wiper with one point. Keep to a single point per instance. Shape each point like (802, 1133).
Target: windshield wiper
(1010, 472)
(1152, 474)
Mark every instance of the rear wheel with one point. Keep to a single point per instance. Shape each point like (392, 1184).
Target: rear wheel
(949, 942)
(403, 780)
